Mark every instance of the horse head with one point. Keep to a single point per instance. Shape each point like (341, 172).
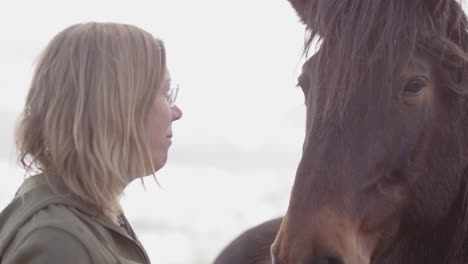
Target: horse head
(382, 175)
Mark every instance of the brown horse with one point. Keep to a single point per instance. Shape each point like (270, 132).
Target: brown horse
(383, 175)
(252, 246)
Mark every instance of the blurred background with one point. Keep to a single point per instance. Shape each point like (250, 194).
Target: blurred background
(237, 146)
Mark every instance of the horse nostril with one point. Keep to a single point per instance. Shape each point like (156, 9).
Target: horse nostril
(327, 260)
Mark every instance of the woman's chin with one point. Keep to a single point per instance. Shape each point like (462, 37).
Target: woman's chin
(160, 162)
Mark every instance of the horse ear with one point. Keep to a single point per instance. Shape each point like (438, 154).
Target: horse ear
(302, 8)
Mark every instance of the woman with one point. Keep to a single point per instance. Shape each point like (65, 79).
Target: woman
(98, 115)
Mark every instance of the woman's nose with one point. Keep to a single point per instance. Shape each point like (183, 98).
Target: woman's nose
(176, 113)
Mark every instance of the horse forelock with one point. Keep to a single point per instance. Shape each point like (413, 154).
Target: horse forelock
(368, 43)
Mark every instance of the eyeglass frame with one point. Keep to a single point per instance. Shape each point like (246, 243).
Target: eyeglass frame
(171, 96)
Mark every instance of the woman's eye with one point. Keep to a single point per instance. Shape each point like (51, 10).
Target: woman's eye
(415, 86)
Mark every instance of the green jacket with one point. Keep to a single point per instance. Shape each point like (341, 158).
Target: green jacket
(45, 224)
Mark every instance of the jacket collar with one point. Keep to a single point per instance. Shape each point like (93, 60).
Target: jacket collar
(61, 194)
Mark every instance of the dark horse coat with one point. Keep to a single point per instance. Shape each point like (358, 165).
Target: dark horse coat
(252, 246)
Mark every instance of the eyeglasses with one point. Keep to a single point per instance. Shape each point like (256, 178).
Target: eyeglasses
(172, 94)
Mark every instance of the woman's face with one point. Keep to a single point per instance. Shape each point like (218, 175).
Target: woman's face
(160, 118)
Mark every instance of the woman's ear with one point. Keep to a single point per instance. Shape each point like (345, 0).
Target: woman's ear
(302, 8)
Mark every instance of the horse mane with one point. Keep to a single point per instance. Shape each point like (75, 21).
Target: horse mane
(368, 43)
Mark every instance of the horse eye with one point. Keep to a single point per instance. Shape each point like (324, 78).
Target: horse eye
(415, 86)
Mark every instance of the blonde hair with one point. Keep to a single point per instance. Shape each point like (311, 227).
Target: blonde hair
(85, 114)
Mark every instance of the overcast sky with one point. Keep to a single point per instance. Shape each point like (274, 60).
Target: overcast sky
(237, 146)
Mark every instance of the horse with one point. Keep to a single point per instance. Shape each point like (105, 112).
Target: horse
(384, 168)
(252, 246)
